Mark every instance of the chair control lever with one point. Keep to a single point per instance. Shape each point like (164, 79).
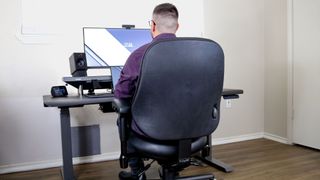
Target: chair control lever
(215, 113)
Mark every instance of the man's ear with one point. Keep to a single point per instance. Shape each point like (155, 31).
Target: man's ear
(153, 30)
(153, 27)
(177, 27)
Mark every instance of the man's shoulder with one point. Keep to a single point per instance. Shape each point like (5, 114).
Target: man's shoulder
(142, 49)
(138, 53)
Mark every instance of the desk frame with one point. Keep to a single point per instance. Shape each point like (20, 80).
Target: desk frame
(67, 172)
(64, 103)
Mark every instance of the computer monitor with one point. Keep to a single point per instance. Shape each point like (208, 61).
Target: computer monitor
(104, 47)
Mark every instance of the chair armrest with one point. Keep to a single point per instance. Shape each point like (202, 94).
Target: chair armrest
(122, 106)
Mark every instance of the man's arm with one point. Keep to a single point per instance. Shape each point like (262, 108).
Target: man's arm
(126, 85)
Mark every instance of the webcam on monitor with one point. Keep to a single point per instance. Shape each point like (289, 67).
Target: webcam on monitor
(128, 26)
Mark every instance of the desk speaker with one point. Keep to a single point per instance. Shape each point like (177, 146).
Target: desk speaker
(78, 64)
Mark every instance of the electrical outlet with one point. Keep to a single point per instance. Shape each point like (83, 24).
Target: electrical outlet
(228, 103)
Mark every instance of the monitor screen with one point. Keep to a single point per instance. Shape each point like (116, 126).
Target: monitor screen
(105, 47)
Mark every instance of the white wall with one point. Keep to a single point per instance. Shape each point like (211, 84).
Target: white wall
(239, 28)
(37, 38)
(276, 67)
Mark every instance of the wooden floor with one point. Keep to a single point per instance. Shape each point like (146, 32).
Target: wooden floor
(256, 159)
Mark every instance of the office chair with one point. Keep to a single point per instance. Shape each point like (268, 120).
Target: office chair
(176, 104)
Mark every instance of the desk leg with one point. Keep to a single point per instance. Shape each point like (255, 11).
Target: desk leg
(209, 160)
(66, 144)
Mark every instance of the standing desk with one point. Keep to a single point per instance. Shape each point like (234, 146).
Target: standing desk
(64, 103)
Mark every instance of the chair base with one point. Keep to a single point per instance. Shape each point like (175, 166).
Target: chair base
(168, 174)
(199, 177)
(215, 163)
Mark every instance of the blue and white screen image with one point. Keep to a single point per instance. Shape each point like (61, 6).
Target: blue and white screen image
(105, 47)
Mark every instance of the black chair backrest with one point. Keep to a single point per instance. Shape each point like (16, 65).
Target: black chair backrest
(180, 84)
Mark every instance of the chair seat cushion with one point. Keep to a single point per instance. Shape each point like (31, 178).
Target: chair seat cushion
(161, 150)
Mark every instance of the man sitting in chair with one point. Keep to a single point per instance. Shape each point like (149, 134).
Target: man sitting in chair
(163, 25)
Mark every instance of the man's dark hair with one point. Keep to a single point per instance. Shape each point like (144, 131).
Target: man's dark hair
(165, 16)
(166, 9)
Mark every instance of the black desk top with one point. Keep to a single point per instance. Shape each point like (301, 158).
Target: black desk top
(231, 92)
(77, 101)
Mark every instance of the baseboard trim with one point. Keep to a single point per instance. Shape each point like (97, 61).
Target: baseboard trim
(276, 138)
(56, 163)
(233, 139)
(115, 155)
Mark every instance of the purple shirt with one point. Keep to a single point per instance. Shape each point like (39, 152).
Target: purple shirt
(126, 86)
